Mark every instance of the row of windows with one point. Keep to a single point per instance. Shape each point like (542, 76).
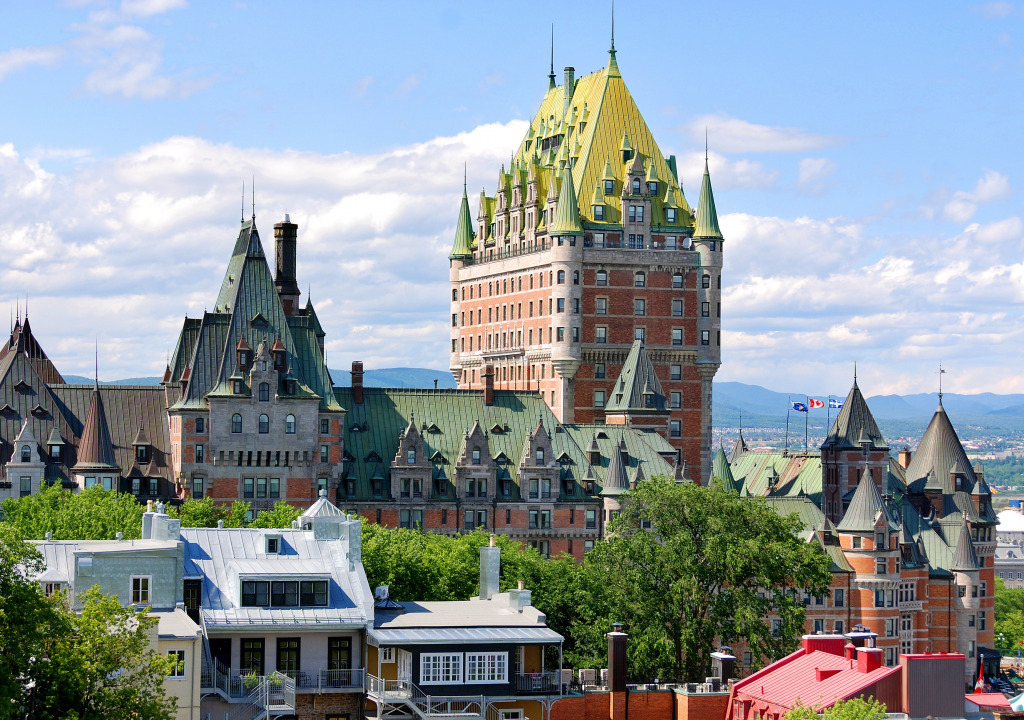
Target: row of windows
(339, 656)
(640, 279)
(640, 333)
(502, 287)
(601, 279)
(669, 242)
(458, 668)
(284, 593)
(263, 424)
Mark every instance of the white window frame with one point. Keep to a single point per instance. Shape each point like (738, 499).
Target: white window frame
(149, 589)
(486, 668)
(387, 654)
(448, 669)
(178, 671)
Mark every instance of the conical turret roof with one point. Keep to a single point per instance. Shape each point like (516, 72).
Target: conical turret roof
(939, 454)
(720, 468)
(738, 449)
(964, 557)
(853, 424)
(567, 214)
(462, 248)
(615, 480)
(865, 507)
(707, 217)
(96, 449)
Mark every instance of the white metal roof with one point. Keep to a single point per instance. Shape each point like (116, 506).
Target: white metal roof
(466, 635)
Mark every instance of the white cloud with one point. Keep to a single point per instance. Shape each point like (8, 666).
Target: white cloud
(726, 174)
(813, 171)
(964, 204)
(125, 247)
(733, 135)
(147, 8)
(19, 58)
(997, 9)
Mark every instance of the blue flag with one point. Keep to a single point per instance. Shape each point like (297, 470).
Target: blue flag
(799, 407)
(835, 403)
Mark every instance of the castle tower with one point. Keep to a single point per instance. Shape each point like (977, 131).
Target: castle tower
(587, 245)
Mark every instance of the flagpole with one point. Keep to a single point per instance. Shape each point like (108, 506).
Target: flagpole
(828, 415)
(787, 421)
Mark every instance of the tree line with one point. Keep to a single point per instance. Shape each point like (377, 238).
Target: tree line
(683, 567)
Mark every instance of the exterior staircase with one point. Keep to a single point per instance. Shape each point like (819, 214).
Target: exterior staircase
(402, 697)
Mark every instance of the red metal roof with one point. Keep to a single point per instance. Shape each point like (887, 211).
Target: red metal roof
(990, 701)
(782, 684)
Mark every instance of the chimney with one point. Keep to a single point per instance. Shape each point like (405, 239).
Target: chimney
(722, 664)
(357, 382)
(617, 659)
(868, 659)
(285, 238)
(570, 80)
(851, 651)
(490, 570)
(905, 456)
(488, 378)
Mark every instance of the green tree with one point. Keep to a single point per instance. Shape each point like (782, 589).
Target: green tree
(205, 513)
(102, 666)
(280, 517)
(685, 566)
(92, 514)
(852, 709)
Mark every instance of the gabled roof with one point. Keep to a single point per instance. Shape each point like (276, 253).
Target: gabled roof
(939, 454)
(637, 388)
(855, 424)
(866, 508)
(615, 480)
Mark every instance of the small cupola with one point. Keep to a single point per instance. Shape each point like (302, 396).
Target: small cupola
(141, 446)
(55, 445)
(243, 354)
(280, 353)
(290, 382)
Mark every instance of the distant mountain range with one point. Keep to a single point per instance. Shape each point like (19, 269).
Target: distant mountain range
(897, 415)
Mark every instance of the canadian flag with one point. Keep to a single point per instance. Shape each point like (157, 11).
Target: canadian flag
(979, 687)
(815, 404)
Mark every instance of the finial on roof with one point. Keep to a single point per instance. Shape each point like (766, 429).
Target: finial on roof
(613, 65)
(854, 372)
(254, 197)
(243, 201)
(705, 145)
(551, 75)
(941, 371)
(96, 377)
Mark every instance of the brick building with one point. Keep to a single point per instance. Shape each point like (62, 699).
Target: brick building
(912, 541)
(587, 244)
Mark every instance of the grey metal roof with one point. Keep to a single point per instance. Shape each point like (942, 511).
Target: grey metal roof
(964, 557)
(223, 556)
(469, 636)
(637, 389)
(939, 454)
(855, 424)
(866, 507)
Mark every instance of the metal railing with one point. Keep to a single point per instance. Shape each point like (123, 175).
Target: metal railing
(539, 683)
(490, 254)
(330, 680)
(272, 694)
(235, 687)
(407, 693)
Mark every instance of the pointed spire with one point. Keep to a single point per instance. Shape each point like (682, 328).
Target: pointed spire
(739, 449)
(462, 248)
(567, 214)
(707, 217)
(720, 469)
(613, 65)
(615, 480)
(964, 557)
(637, 388)
(865, 506)
(551, 75)
(96, 450)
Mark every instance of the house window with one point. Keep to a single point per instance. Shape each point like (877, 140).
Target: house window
(486, 667)
(880, 566)
(676, 372)
(705, 337)
(636, 186)
(440, 668)
(540, 456)
(325, 426)
(288, 656)
(561, 277)
(677, 336)
(275, 488)
(252, 655)
(264, 424)
(200, 454)
(476, 456)
(324, 454)
(575, 334)
(639, 307)
(705, 281)
(247, 487)
(264, 392)
(236, 423)
(609, 187)
(261, 487)
(591, 519)
(410, 457)
(677, 308)
(197, 488)
(140, 589)
(410, 519)
(640, 279)
(289, 424)
(705, 309)
(838, 598)
(176, 660)
(600, 334)
(26, 486)
(670, 218)
(640, 333)
(560, 334)
(601, 278)
(599, 370)
(676, 400)
(238, 387)
(200, 425)
(599, 212)
(599, 398)
(140, 453)
(560, 305)
(675, 428)
(601, 306)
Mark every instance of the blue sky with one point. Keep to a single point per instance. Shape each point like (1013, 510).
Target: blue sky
(866, 162)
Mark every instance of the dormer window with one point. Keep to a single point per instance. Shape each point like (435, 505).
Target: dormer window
(273, 545)
(280, 358)
(238, 387)
(636, 186)
(264, 392)
(410, 457)
(670, 216)
(26, 454)
(599, 212)
(540, 456)
(476, 456)
(141, 454)
(243, 359)
(55, 453)
(609, 187)
(652, 188)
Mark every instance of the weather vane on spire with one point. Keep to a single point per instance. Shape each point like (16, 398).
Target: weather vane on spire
(940, 373)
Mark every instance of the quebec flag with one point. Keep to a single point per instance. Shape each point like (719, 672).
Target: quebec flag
(799, 407)
(835, 403)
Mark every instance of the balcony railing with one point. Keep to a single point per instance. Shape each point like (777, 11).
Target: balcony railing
(541, 683)
(236, 687)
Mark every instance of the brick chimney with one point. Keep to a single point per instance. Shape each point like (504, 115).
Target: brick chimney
(868, 659)
(357, 382)
(285, 239)
(905, 456)
(488, 377)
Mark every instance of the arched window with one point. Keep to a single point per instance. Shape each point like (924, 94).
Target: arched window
(264, 424)
(236, 423)
(640, 279)
(264, 392)
(602, 278)
(289, 424)
(26, 454)
(561, 277)
(705, 281)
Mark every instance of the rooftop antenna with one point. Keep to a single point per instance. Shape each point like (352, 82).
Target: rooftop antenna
(551, 75)
(465, 172)
(941, 373)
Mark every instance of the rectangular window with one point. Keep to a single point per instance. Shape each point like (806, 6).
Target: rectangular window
(288, 656)
(880, 566)
(676, 372)
(591, 519)
(677, 336)
(838, 599)
(26, 485)
(639, 333)
(200, 454)
(140, 589)
(440, 668)
(599, 398)
(675, 428)
(705, 309)
(339, 653)
(247, 487)
(200, 425)
(601, 278)
(486, 667)
(560, 334)
(176, 660)
(639, 307)
(275, 487)
(252, 656)
(676, 400)
(197, 488)
(601, 334)
(324, 454)
(677, 308)
(284, 593)
(599, 370)
(705, 337)
(560, 305)
(602, 306)
(261, 487)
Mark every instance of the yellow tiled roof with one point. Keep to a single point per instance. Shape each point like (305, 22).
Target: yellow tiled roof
(594, 121)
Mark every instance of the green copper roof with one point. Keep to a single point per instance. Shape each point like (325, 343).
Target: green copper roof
(706, 225)
(567, 214)
(638, 388)
(865, 507)
(462, 247)
(721, 470)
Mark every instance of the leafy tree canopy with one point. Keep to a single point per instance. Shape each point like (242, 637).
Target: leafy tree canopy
(92, 514)
(852, 709)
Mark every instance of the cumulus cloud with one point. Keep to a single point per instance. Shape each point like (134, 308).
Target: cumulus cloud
(733, 135)
(726, 174)
(124, 247)
(997, 9)
(964, 204)
(20, 58)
